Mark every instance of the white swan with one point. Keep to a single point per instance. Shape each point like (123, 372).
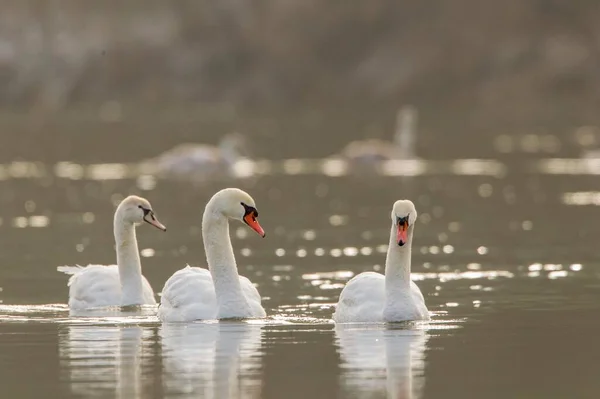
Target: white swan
(200, 162)
(401, 148)
(122, 284)
(220, 292)
(373, 297)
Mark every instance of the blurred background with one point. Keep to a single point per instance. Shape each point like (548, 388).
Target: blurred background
(77, 78)
(484, 113)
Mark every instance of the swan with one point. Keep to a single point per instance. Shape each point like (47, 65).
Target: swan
(194, 293)
(372, 297)
(122, 284)
(201, 161)
(373, 150)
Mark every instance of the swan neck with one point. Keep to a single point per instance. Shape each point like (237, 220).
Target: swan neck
(128, 262)
(404, 136)
(221, 262)
(397, 263)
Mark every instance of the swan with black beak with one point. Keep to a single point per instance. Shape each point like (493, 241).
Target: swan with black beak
(373, 297)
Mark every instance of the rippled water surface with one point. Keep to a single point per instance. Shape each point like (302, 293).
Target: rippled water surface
(505, 252)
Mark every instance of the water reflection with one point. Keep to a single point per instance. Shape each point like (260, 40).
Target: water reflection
(379, 360)
(104, 361)
(212, 360)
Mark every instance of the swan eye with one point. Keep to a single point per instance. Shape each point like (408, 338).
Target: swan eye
(250, 210)
(146, 211)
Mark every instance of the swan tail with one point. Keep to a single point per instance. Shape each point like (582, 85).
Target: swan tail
(69, 269)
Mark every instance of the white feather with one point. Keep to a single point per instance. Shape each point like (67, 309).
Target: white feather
(193, 293)
(374, 298)
(96, 286)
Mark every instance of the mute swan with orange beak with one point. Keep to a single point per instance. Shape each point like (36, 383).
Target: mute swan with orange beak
(122, 284)
(374, 298)
(218, 292)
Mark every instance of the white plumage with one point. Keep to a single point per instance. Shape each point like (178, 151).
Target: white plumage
(200, 162)
(123, 284)
(374, 298)
(363, 299)
(372, 151)
(96, 286)
(220, 292)
(190, 295)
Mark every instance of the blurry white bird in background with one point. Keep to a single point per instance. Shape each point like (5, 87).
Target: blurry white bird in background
(201, 162)
(402, 147)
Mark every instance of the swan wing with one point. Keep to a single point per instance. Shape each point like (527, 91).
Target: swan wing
(71, 270)
(93, 286)
(148, 292)
(188, 158)
(416, 292)
(369, 150)
(362, 299)
(188, 295)
(253, 297)
(419, 302)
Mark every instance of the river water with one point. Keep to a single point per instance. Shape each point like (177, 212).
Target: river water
(504, 252)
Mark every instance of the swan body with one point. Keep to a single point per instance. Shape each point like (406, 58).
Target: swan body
(195, 293)
(201, 161)
(96, 286)
(123, 284)
(374, 298)
(190, 295)
(374, 151)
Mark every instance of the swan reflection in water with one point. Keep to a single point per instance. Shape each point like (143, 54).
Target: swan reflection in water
(381, 359)
(212, 360)
(105, 361)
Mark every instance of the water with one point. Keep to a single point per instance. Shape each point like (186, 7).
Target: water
(504, 252)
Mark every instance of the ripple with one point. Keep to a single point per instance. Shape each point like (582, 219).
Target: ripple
(581, 198)
(568, 166)
(60, 313)
(342, 274)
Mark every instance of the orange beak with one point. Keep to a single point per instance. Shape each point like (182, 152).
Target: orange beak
(251, 221)
(402, 235)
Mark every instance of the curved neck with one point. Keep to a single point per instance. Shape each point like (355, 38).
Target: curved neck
(221, 263)
(128, 261)
(397, 263)
(404, 136)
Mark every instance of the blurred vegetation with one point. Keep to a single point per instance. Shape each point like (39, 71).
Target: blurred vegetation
(501, 60)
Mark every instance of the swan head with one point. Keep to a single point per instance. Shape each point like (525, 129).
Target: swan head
(404, 216)
(239, 205)
(137, 210)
